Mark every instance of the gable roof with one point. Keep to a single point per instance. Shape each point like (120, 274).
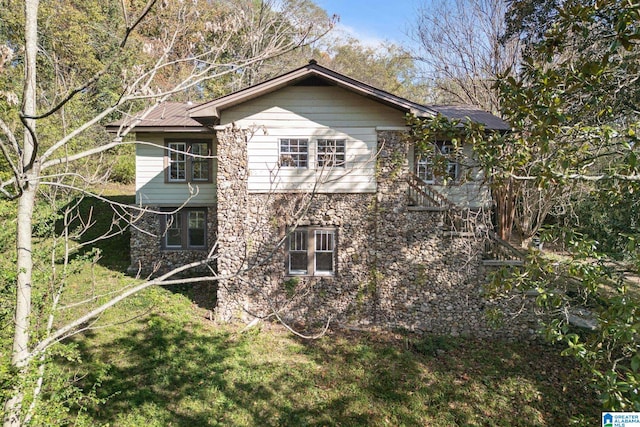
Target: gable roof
(312, 73)
(178, 116)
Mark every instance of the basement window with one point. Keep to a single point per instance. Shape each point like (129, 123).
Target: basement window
(185, 229)
(311, 251)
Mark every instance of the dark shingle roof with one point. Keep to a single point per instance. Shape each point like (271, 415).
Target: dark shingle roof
(467, 112)
(165, 115)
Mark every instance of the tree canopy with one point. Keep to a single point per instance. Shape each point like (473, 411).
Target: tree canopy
(573, 104)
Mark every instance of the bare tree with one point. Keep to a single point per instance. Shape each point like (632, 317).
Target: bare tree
(461, 48)
(465, 49)
(35, 160)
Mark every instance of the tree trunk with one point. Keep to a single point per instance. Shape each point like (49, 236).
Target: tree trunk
(505, 209)
(23, 302)
(28, 183)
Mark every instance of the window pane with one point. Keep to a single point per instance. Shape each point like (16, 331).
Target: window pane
(196, 219)
(199, 148)
(177, 161)
(293, 153)
(331, 153)
(324, 262)
(424, 169)
(443, 156)
(196, 237)
(200, 170)
(447, 150)
(196, 228)
(199, 165)
(298, 262)
(298, 241)
(452, 170)
(298, 257)
(177, 172)
(173, 234)
(324, 240)
(324, 250)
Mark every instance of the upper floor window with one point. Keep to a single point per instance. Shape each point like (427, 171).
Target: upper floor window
(429, 166)
(185, 229)
(311, 251)
(294, 153)
(331, 153)
(189, 161)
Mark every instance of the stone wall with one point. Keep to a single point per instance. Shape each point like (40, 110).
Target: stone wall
(396, 268)
(147, 255)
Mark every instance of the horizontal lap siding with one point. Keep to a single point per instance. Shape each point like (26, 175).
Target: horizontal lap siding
(468, 194)
(313, 113)
(151, 188)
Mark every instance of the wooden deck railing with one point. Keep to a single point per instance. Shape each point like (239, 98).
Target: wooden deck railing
(501, 252)
(461, 221)
(424, 195)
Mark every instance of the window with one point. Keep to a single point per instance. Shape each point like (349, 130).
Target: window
(449, 152)
(294, 153)
(189, 161)
(331, 153)
(200, 163)
(429, 165)
(186, 229)
(177, 161)
(311, 252)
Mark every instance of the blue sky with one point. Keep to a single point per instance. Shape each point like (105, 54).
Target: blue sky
(374, 21)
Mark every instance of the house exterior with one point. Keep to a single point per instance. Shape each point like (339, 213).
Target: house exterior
(308, 198)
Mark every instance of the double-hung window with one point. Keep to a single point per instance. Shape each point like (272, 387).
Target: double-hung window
(429, 165)
(294, 153)
(331, 153)
(311, 251)
(185, 229)
(189, 161)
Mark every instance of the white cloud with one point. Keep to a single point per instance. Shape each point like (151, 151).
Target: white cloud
(366, 38)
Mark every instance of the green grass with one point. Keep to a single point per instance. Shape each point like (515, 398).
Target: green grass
(174, 367)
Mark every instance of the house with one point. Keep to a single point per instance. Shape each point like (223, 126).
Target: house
(314, 206)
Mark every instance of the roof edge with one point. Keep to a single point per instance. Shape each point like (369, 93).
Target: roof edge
(212, 109)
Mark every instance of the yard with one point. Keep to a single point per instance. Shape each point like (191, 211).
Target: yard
(174, 366)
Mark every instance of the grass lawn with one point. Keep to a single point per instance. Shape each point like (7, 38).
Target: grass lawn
(168, 364)
(174, 367)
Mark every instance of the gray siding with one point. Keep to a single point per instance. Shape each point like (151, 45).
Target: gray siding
(313, 113)
(151, 188)
(471, 191)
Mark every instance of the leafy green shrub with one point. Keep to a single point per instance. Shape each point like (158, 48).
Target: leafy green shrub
(124, 166)
(609, 218)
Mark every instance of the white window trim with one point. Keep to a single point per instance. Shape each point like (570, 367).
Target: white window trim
(332, 155)
(443, 148)
(174, 150)
(281, 154)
